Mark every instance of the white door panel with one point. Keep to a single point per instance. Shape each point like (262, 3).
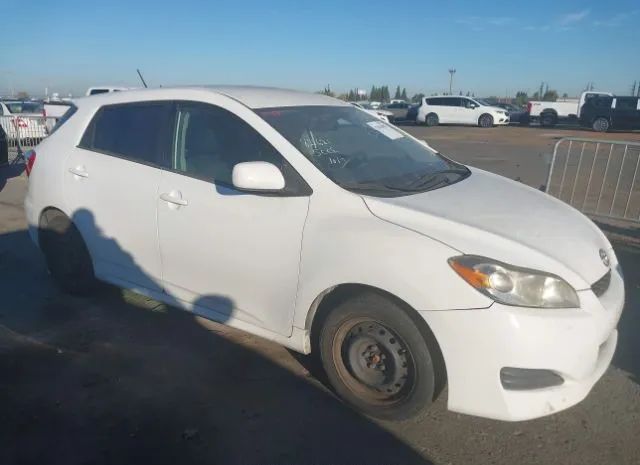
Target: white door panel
(447, 114)
(468, 115)
(109, 198)
(235, 253)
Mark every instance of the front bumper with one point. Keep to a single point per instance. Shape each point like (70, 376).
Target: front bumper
(576, 344)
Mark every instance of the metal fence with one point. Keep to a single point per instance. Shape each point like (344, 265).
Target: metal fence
(598, 177)
(23, 132)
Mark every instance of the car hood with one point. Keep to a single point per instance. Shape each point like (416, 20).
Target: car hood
(496, 108)
(492, 216)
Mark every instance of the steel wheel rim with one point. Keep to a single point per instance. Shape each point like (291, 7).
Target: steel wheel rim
(373, 361)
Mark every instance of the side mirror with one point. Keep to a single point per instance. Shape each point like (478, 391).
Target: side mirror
(257, 176)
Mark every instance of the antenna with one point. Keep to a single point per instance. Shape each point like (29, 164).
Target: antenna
(141, 78)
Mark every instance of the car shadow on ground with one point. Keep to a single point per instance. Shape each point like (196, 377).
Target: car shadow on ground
(119, 378)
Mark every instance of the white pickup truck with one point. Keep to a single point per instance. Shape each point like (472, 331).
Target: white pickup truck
(548, 114)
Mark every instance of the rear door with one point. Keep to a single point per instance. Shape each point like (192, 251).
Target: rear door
(111, 188)
(452, 110)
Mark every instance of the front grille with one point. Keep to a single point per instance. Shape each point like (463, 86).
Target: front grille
(602, 284)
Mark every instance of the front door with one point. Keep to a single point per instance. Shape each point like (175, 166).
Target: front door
(111, 188)
(232, 254)
(469, 112)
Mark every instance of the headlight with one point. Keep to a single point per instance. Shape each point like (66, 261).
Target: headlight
(512, 285)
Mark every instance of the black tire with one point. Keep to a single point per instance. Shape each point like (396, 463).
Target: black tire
(485, 121)
(548, 120)
(376, 358)
(431, 120)
(601, 124)
(66, 254)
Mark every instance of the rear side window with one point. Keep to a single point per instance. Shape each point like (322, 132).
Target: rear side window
(136, 131)
(64, 118)
(98, 91)
(627, 103)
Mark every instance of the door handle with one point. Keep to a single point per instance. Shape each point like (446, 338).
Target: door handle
(79, 172)
(174, 200)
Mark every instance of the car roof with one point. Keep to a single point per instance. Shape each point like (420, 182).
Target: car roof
(250, 96)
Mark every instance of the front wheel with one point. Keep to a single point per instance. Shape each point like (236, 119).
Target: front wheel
(486, 121)
(376, 358)
(601, 124)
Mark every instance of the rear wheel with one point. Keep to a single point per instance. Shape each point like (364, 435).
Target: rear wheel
(485, 121)
(548, 120)
(601, 124)
(376, 358)
(432, 119)
(66, 254)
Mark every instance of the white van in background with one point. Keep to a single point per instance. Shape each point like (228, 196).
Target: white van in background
(460, 110)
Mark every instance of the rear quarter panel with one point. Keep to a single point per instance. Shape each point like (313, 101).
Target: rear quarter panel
(46, 183)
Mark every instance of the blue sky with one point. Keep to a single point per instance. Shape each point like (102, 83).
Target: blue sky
(497, 47)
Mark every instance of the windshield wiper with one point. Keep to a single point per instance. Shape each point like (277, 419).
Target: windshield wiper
(371, 186)
(428, 178)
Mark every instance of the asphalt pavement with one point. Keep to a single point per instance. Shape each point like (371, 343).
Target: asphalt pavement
(119, 378)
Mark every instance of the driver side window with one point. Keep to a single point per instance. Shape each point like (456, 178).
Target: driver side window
(467, 103)
(209, 141)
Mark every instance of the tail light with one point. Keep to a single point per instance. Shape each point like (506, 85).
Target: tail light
(30, 157)
(528, 107)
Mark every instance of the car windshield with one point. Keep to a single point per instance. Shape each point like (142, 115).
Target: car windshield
(361, 153)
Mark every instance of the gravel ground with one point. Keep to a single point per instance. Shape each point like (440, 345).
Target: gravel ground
(118, 378)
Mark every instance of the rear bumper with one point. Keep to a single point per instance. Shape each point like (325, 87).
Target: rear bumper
(32, 219)
(575, 344)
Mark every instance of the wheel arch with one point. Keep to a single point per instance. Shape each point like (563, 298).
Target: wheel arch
(45, 215)
(597, 117)
(482, 115)
(331, 296)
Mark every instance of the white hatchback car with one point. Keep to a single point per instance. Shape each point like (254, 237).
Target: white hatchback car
(304, 220)
(460, 110)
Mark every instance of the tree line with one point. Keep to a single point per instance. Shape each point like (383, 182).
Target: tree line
(381, 94)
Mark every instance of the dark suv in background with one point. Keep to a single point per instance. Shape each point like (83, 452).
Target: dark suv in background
(603, 113)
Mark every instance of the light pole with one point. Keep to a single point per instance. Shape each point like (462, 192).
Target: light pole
(452, 71)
